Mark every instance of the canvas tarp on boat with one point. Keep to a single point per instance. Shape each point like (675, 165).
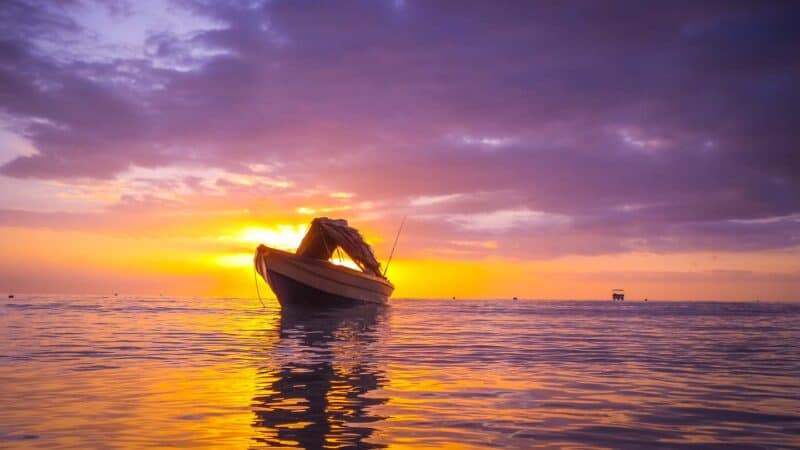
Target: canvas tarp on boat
(325, 235)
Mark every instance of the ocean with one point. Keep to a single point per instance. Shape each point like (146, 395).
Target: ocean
(131, 372)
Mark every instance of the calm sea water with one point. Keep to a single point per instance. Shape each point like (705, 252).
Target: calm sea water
(93, 372)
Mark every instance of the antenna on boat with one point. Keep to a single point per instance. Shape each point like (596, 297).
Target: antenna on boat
(394, 245)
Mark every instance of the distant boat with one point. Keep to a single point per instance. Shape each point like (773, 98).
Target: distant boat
(618, 295)
(307, 278)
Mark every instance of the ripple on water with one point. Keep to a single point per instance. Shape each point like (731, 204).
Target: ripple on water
(89, 372)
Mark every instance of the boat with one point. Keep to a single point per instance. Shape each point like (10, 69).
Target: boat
(306, 278)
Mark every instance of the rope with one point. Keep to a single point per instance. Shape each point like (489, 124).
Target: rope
(255, 278)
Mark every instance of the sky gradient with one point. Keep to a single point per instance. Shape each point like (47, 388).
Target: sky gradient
(539, 149)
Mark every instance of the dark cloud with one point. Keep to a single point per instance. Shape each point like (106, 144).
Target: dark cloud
(665, 124)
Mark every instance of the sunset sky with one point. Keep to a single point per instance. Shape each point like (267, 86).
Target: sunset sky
(539, 149)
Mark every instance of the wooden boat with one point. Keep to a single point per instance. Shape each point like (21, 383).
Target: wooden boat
(307, 278)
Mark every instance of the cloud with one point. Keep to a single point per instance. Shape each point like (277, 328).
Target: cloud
(491, 119)
(428, 200)
(505, 220)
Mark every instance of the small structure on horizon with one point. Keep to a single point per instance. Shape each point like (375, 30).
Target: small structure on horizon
(10, 295)
(618, 295)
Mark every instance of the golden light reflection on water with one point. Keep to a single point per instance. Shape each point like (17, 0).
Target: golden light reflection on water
(316, 398)
(225, 373)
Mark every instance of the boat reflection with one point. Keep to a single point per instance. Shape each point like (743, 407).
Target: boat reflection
(313, 389)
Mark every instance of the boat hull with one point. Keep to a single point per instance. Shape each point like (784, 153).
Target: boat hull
(293, 293)
(305, 282)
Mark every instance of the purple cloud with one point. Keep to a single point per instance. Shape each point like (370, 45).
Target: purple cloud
(659, 127)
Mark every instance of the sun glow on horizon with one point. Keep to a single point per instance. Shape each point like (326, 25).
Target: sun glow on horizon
(234, 260)
(340, 258)
(282, 237)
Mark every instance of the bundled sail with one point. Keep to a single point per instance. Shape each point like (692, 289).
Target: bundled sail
(326, 234)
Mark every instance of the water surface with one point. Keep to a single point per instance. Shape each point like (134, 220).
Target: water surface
(121, 372)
